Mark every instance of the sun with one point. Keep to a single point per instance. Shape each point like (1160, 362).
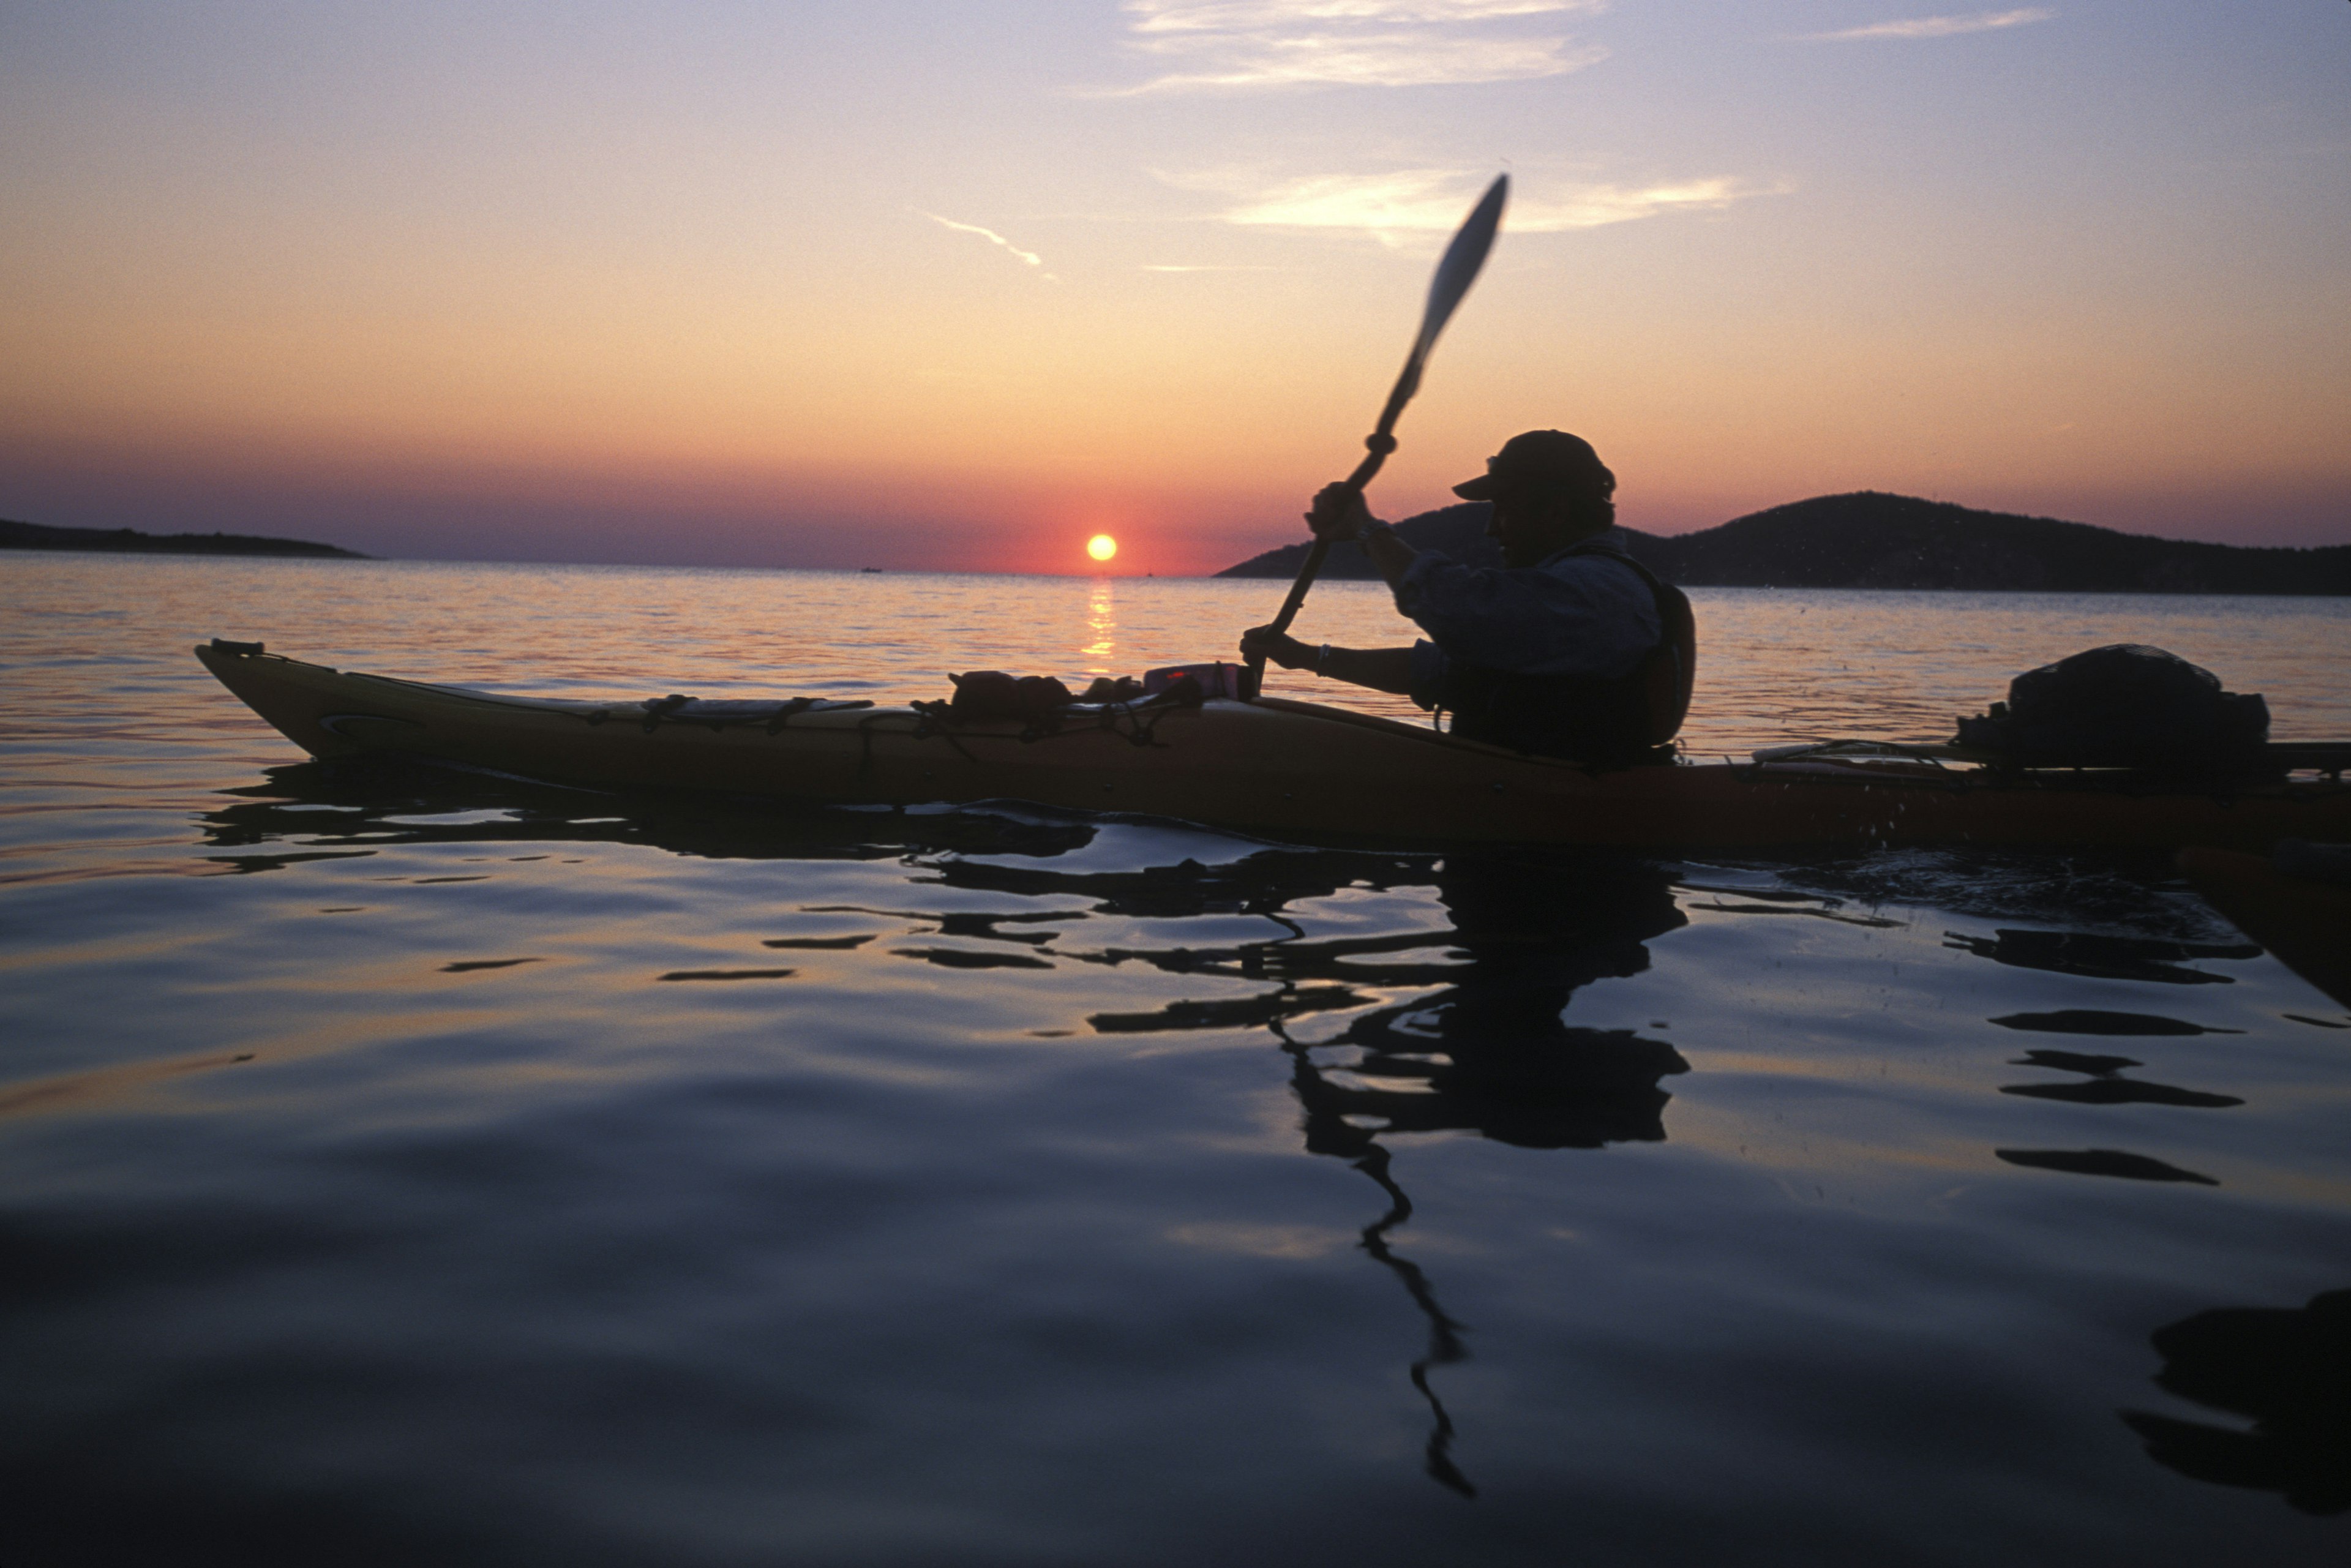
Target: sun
(1101, 547)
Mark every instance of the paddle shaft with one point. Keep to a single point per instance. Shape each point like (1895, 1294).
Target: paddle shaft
(1454, 273)
(1381, 444)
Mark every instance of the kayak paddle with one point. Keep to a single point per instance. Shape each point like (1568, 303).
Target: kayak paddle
(1455, 274)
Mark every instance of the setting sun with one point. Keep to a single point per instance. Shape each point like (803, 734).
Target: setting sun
(1101, 547)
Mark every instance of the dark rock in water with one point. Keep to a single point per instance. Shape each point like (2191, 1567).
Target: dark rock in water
(1869, 539)
(130, 541)
(2102, 1162)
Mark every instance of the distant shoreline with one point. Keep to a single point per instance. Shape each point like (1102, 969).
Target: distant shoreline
(1864, 541)
(130, 541)
(1872, 540)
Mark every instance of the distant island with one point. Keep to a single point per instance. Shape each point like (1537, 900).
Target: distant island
(1868, 539)
(130, 541)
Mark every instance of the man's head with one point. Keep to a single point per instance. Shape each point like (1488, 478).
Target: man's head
(1549, 489)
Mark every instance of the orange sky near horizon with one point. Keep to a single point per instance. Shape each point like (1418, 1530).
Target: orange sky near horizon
(715, 285)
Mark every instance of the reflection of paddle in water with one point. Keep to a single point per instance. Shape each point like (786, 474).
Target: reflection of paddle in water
(1444, 1346)
(1489, 1054)
(1479, 1045)
(1443, 1334)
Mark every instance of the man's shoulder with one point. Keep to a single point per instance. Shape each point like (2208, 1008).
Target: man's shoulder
(1604, 551)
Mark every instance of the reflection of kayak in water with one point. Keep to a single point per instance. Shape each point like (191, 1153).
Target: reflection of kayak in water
(1271, 766)
(2305, 921)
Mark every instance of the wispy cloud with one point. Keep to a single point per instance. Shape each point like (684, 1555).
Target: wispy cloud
(1234, 15)
(1937, 26)
(1240, 44)
(1029, 257)
(1407, 204)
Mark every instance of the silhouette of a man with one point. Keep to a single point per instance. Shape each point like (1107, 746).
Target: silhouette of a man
(1552, 654)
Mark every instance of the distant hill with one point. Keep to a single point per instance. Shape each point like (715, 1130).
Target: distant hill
(129, 541)
(1872, 540)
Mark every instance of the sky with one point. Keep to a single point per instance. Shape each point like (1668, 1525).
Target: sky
(959, 284)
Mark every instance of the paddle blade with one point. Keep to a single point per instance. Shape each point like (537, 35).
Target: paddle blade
(1455, 274)
(1459, 268)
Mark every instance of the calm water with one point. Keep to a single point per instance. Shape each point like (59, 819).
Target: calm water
(402, 1170)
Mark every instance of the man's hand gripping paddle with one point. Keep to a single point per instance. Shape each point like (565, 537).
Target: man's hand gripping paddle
(1455, 274)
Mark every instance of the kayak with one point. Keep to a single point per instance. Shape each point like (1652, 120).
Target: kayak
(2307, 924)
(1271, 766)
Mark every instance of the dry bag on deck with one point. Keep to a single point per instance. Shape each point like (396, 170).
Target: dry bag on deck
(2126, 706)
(992, 693)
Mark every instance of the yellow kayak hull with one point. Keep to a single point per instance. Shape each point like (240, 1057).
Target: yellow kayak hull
(1273, 767)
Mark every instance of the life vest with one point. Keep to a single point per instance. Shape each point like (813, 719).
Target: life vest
(1584, 718)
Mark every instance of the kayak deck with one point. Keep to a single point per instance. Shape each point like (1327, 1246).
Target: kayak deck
(1271, 766)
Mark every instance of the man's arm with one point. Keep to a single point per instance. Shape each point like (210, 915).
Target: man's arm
(1339, 513)
(1382, 669)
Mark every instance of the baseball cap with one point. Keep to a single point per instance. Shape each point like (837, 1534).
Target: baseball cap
(1539, 458)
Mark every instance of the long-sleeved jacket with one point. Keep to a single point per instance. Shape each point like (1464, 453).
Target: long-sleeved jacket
(1579, 615)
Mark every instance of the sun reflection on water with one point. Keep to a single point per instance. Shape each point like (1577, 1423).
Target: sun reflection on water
(1102, 629)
